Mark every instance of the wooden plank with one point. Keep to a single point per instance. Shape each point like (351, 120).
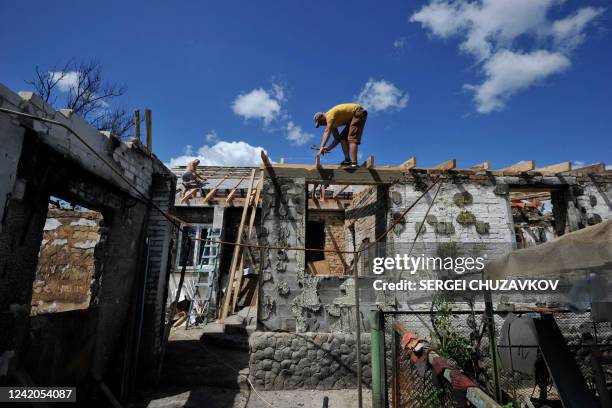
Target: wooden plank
(409, 164)
(447, 165)
(318, 161)
(265, 159)
(525, 165)
(486, 165)
(230, 196)
(248, 237)
(369, 163)
(148, 129)
(593, 168)
(337, 193)
(236, 255)
(338, 176)
(555, 168)
(137, 124)
(212, 192)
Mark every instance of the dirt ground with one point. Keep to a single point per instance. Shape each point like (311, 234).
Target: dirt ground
(198, 373)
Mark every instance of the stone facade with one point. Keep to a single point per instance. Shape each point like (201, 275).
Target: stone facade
(66, 261)
(286, 361)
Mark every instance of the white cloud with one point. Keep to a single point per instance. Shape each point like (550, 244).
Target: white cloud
(67, 81)
(608, 166)
(222, 154)
(400, 42)
(568, 33)
(296, 135)
(508, 72)
(381, 96)
(489, 29)
(212, 137)
(260, 104)
(188, 150)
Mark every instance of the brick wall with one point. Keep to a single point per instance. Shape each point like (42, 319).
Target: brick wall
(66, 261)
(335, 238)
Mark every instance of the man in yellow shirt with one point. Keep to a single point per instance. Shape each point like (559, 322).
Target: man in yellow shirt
(353, 117)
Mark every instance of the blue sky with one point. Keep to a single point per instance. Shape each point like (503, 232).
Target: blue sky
(503, 81)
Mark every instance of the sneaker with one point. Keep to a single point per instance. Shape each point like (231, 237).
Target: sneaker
(353, 165)
(345, 162)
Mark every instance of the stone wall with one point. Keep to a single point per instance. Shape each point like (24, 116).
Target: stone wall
(323, 361)
(335, 239)
(66, 261)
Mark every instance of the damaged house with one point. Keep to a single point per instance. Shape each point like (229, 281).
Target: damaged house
(84, 253)
(306, 298)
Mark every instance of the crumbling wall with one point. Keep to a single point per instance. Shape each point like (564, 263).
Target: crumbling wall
(66, 261)
(322, 361)
(74, 346)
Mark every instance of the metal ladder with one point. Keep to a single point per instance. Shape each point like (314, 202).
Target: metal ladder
(207, 271)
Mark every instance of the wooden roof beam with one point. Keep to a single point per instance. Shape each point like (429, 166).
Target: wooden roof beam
(522, 166)
(447, 165)
(409, 164)
(337, 193)
(232, 193)
(369, 163)
(593, 168)
(265, 159)
(555, 168)
(486, 165)
(212, 192)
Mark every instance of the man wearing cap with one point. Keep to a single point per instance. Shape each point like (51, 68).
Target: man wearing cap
(353, 117)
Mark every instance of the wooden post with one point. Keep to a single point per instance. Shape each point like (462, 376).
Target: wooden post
(235, 258)
(248, 236)
(148, 127)
(137, 124)
(358, 329)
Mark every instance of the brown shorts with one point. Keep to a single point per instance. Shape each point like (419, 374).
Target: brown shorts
(352, 132)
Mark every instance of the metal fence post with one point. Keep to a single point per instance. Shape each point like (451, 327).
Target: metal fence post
(377, 355)
(490, 319)
(395, 369)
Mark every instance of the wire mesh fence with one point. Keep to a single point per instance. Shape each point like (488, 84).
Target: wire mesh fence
(411, 387)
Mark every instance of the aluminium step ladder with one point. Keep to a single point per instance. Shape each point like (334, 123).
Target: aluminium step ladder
(207, 271)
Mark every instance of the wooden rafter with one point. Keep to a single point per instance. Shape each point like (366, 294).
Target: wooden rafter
(525, 165)
(555, 168)
(230, 196)
(409, 164)
(337, 193)
(486, 165)
(447, 165)
(212, 192)
(593, 168)
(369, 163)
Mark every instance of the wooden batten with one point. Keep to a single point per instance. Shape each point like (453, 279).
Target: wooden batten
(232, 193)
(337, 193)
(212, 192)
(265, 159)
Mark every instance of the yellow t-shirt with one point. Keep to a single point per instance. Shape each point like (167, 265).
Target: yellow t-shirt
(341, 115)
